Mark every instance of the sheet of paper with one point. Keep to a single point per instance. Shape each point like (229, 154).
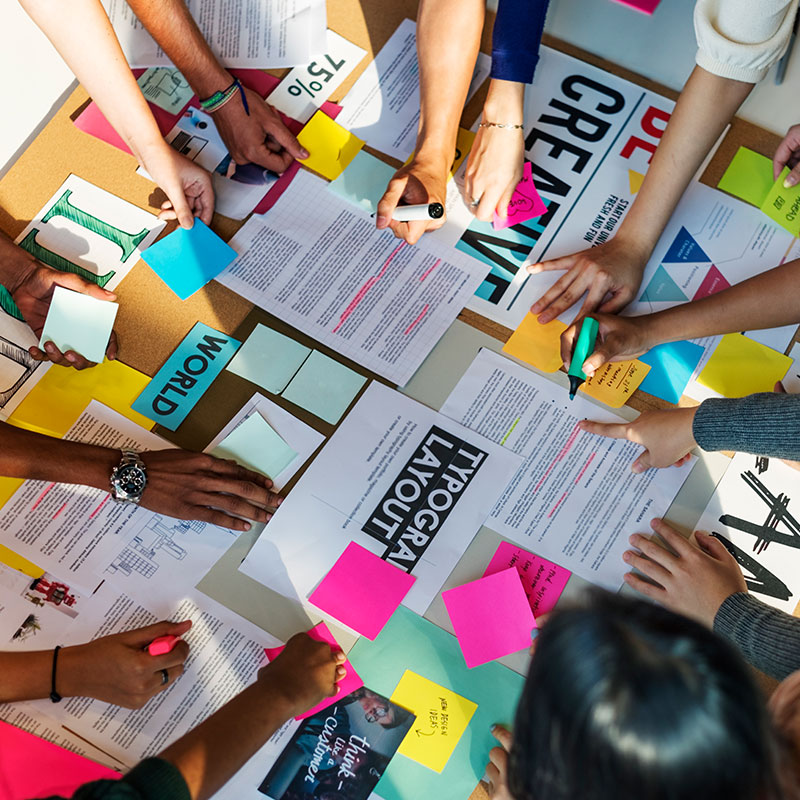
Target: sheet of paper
(442, 718)
(748, 176)
(783, 205)
(542, 580)
(574, 501)
(324, 387)
(165, 87)
(19, 371)
(363, 182)
(525, 203)
(269, 359)
(331, 146)
(305, 88)
(491, 616)
(754, 511)
(739, 366)
(536, 344)
(186, 260)
(348, 684)
(362, 591)
(791, 381)
(614, 383)
(303, 439)
(397, 478)
(410, 642)
(83, 536)
(383, 106)
(79, 323)
(671, 367)
(251, 33)
(381, 303)
(255, 444)
(186, 376)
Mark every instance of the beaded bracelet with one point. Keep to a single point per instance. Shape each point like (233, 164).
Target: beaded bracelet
(499, 125)
(219, 99)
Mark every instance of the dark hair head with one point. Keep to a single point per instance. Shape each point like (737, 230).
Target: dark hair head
(627, 700)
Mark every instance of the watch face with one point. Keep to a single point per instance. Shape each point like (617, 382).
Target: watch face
(131, 479)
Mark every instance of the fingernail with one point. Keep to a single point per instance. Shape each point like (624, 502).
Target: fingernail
(381, 221)
(494, 727)
(626, 556)
(790, 181)
(637, 469)
(534, 634)
(247, 526)
(304, 153)
(71, 357)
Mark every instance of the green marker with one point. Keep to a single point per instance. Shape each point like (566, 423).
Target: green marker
(583, 349)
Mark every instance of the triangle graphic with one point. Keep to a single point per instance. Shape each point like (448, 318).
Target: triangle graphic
(685, 249)
(713, 282)
(636, 179)
(662, 289)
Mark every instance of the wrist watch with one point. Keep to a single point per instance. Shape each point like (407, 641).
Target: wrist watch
(129, 478)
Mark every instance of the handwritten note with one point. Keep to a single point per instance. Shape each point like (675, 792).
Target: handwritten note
(330, 146)
(615, 382)
(783, 205)
(536, 344)
(525, 203)
(442, 717)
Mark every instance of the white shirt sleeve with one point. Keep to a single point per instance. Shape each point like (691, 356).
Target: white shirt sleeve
(742, 39)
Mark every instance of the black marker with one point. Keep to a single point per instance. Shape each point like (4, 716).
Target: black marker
(420, 212)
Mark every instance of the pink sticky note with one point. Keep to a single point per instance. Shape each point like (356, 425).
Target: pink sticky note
(525, 203)
(362, 590)
(32, 767)
(491, 617)
(348, 684)
(645, 6)
(542, 580)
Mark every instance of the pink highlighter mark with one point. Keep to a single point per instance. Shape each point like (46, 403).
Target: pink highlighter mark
(431, 269)
(563, 452)
(417, 320)
(58, 513)
(713, 282)
(585, 467)
(525, 203)
(42, 496)
(560, 501)
(100, 507)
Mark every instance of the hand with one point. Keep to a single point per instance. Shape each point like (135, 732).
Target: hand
(666, 436)
(199, 486)
(612, 270)
(494, 170)
(788, 155)
(695, 581)
(304, 673)
(186, 184)
(33, 291)
(118, 670)
(260, 138)
(497, 768)
(417, 182)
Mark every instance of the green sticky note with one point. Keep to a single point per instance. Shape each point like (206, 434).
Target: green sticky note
(324, 387)
(269, 359)
(78, 322)
(748, 177)
(783, 205)
(255, 445)
(409, 642)
(363, 182)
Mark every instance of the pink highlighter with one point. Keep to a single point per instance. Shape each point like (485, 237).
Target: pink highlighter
(163, 645)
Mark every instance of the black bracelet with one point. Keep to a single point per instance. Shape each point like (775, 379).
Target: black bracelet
(54, 695)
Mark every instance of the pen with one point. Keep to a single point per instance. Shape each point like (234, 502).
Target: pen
(780, 73)
(422, 211)
(162, 645)
(583, 349)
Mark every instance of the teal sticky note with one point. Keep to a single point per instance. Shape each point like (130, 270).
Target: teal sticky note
(671, 367)
(255, 444)
(186, 260)
(363, 182)
(409, 642)
(78, 322)
(185, 376)
(324, 387)
(269, 359)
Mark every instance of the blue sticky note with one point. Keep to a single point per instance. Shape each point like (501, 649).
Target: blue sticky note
(409, 642)
(187, 260)
(186, 376)
(671, 367)
(256, 445)
(324, 387)
(269, 359)
(363, 182)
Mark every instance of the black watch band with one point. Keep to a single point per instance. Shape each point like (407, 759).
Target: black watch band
(54, 695)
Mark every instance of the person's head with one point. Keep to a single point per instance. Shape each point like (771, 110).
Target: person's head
(625, 699)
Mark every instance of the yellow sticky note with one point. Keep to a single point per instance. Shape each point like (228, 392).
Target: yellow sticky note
(537, 345)
(442, 718)
(741, 366)
(615, 382)
(331, 147)
(17, 562)
(783, 205)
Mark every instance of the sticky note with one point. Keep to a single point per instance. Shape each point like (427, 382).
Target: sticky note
(364, 182)
(491, 617)
(442, 717)
(536, 344)
(324, 387)
(783, 205)
(464, 141)
(186, 260)
(748, 177)
(255, 444)
(186, 375)
(78, 322)
(348, 684)
(615, 382)
(525, 203)
(671, 367)
(362, 590)
(330, 146)
(269, 359)
(740, 366)
(542, 580)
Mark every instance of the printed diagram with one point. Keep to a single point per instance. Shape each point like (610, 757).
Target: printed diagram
(16, 366)
(28, 628)
(161, 536)
(47, 592)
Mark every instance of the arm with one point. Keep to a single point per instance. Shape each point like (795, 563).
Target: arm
(259, 137)
(448, 38)
(81, 32)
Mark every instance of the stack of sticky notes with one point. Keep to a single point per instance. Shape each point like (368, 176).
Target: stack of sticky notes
(525, 203)
(256, 445)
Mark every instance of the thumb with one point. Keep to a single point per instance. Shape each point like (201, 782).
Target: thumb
(793, 178)
(180, 205)
(69, 280)
(141, 637)
(391, 197)
(600, 356)
(503, 735)
(642, 464)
